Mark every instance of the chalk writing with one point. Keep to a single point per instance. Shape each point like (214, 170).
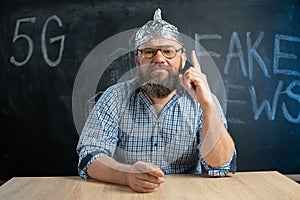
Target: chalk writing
(235, 51)
(252, 53)
(281, 55)
(271, 110)
(201, 52)
(18, 35)
(292, 95)
(234, 87)
(60, 38)
(235, 42)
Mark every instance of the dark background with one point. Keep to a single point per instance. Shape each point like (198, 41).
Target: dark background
(38, 136)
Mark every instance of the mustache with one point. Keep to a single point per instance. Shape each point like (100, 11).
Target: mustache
(159, 66)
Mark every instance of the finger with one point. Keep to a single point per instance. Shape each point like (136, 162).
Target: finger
(184, 82)
(147, 167)
(157, 173)
(139, 188)
(147, 184)
(194, 59)
(150, 178)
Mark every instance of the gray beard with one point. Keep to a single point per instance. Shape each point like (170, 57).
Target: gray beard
(157, 87)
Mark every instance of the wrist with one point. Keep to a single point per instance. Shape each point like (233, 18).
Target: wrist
(207, 106)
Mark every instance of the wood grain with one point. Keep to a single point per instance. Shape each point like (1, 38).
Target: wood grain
(242, 185)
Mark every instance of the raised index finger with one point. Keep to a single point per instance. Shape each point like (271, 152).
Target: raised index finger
(195, 62)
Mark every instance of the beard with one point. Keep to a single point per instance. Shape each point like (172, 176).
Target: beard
(157, 84)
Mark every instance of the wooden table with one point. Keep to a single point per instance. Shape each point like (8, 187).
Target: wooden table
(242, 185)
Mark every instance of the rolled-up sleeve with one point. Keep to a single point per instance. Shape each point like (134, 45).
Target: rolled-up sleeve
(223, 170)
(99, 134)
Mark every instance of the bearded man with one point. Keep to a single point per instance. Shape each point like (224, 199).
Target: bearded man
(161, 122)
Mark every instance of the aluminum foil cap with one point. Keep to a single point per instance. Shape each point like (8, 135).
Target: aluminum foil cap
(157, 29)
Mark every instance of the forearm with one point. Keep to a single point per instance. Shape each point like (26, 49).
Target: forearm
(217, 145)
(106, 169)
(141, 176)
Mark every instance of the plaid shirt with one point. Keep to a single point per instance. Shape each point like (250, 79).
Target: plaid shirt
(124, 125)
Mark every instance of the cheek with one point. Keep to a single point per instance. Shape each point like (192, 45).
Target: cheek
(143, 63)
(142, 68)
(176, 64)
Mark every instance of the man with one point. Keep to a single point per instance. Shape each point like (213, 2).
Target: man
(162, 122)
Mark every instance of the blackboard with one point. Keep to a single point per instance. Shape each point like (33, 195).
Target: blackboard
(254, 44)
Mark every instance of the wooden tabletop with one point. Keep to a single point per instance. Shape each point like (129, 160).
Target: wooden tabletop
(242, 185)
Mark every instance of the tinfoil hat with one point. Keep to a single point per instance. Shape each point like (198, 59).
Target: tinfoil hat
(157, 29)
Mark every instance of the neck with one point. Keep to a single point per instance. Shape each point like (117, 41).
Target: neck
(159, 103)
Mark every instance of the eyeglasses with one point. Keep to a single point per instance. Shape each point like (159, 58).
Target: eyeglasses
(167, 51)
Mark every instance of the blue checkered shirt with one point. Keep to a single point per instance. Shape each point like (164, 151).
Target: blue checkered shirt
(124, 125)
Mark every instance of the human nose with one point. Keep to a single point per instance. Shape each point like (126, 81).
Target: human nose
(158, 58)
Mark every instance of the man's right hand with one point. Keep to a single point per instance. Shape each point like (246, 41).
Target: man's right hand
(144, 177)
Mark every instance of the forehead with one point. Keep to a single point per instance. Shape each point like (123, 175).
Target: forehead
(161, 42)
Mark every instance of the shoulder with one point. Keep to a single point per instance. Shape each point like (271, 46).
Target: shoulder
(119, 91)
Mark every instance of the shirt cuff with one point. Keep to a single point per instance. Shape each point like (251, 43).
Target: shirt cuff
(86, 161)
(229, 166)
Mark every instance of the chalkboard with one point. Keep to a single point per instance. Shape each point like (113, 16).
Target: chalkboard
(254, 44)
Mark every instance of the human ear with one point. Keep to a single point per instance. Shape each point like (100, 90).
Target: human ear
(183, 59)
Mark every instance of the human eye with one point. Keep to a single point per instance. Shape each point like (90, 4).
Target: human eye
(149, 51)
(169, 50)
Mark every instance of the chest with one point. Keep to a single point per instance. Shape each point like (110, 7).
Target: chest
(176, 133)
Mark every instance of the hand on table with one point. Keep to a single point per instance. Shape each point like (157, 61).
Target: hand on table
(144, 177)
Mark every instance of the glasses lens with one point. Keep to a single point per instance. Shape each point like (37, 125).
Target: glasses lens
(169, 52)
(149, 52)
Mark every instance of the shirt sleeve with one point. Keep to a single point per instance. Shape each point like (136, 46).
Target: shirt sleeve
(99, 134)
(229, 166)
